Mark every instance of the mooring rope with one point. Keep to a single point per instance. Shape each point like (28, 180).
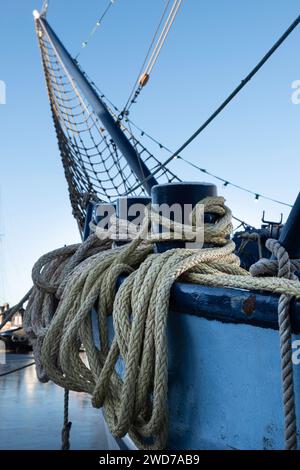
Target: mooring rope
(222, 106)
(283, 268)
(85, 277)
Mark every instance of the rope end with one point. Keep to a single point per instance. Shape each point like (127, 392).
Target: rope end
(36, 15)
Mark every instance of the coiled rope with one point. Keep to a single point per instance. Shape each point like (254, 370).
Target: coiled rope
(136, 402)
(152, 54)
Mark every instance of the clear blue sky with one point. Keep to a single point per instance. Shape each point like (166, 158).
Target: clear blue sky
(212, 46)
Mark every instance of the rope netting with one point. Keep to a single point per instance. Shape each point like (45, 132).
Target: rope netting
(94, 166)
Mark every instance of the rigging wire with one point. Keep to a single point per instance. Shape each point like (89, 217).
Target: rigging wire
(85, 43)
(136, 83)
(235, 92)
(243, 224)
(226, 182)
(145, 70)
(237, 186)
(163, 36)
(175, 155)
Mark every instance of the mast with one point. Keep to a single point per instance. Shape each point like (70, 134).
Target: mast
(78, 79)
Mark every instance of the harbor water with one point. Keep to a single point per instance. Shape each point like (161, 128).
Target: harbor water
(31, 413)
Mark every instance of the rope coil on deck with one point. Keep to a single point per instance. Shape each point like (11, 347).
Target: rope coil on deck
(136, 403)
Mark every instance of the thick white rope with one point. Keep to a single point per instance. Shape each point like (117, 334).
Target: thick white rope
(135, 403)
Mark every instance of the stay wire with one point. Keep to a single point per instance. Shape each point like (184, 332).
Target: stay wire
(162, 146)
(226, 101)
(95, 28)
(147, 55)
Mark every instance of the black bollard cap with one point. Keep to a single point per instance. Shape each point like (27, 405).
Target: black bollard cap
(182, 193)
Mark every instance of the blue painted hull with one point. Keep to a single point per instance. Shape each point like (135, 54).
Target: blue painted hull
(224, 386)
(224, 374)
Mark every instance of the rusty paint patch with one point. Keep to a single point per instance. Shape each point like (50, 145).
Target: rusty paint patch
(249, 305)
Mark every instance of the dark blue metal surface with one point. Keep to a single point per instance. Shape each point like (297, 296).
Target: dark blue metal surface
(104, 211)
(224, 385)
(131, 209)
(136, 163)
(182, 193)
(229, 305)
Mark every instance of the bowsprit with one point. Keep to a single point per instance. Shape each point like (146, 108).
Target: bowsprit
(118, 460)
